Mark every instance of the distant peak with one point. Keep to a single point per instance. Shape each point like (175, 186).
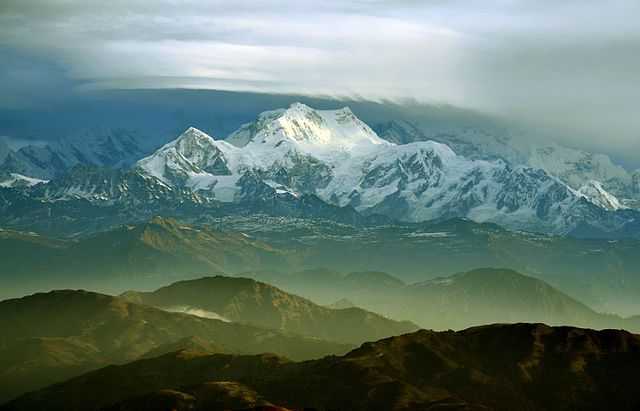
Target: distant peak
(594, 192)
(345, 110)
(595, 184)
(300, 106)
(193, 138)
(193, 132)
(297, 106)
(337, 129)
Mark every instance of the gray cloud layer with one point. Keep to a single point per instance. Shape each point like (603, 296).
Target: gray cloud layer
(572, 67)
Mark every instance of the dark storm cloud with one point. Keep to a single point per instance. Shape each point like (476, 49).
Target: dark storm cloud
(26, 80)
(570, 67)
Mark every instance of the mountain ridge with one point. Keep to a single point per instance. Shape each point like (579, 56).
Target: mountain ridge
(238, 244)
(461, 300)
(334, 156)
(501, 367)
(55, 335)
(575, 167)
(252, 302)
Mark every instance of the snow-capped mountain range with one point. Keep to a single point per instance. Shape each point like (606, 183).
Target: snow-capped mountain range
(114, 148)
(574, 167)
(332, 155)
(335, 156)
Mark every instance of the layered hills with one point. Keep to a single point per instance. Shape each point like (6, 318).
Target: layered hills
(601, 273)
(251, 302)
(49, 337)
(499, 367)
(481, 296)
(131, 256)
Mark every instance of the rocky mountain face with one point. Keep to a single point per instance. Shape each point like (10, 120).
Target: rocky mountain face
(497, 367)
(106, 186)
(49, 337)
(578, 167)
(291, 151)
(335, 156)
(113, 148)
(35, 161)
(87, 200)
(573, 167)
(475, 141)
(595, 193)
(327, 163)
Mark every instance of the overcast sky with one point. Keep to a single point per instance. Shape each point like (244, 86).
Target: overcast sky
(572, 66)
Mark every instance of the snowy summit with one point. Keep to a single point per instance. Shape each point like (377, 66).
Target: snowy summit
(334, 155)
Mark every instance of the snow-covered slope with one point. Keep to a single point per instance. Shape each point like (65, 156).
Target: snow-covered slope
(471, 142)
(595, 193)
(197, 161)
(18, 180)
(109, 187)
(306, 141)
(104, 147)
(313, 131)
(35, 161)
(335, 156)
(574, 167)
(114, 148)
(329, 135)
(577, 168)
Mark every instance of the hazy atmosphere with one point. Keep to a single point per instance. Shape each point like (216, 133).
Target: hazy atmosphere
(362, 205)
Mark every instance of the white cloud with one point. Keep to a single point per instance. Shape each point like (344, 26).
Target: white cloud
(320, 49)
(572, 66)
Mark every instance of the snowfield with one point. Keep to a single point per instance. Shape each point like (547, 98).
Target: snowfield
(334, 155)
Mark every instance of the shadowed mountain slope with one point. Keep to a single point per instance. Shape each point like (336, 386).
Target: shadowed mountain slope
(602, 274)
(52, 336)
(140, 255)
(476, 297)
(248, 301)
(497, 367)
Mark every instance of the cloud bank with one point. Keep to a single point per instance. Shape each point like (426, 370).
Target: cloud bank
(572, 67)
